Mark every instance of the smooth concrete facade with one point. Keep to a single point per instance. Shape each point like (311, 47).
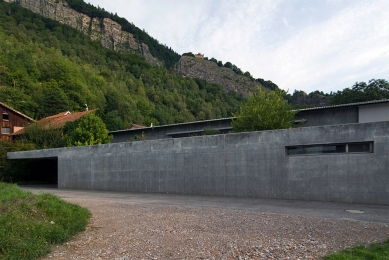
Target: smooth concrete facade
(374, 113)
(251, 164)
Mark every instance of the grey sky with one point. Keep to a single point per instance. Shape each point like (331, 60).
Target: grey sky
(308, 45)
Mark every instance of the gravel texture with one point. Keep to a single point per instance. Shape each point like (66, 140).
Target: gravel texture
(126, 230)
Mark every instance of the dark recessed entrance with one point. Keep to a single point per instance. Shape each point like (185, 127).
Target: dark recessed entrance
(42, 171)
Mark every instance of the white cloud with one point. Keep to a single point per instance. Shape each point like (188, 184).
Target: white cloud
(305, 45)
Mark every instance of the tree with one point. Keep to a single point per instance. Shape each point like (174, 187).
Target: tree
(228, 65)
(213, 60)
(88, 130)
(54, 102)
(43, 137)
(265, 110)
(14, 170)
(376, 89)
(188, 54)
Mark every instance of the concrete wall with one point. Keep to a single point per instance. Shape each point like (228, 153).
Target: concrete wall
(172, 131)
(251, 164)
(374, 113)
(328, 116)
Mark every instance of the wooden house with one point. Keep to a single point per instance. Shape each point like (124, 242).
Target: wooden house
(11, 121)
(56, 121)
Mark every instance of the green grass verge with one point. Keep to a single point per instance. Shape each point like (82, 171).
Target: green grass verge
(30, 224)
(373, 252)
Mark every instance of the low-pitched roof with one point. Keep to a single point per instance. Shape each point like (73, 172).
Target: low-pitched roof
(58, 120)
(346, 105)
(136, 126)
(17, 112)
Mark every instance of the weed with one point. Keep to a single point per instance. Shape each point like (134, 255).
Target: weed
(30, 224)
(373, 252)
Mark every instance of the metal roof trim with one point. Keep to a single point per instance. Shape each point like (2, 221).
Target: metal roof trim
(187, 123)
(346, 105)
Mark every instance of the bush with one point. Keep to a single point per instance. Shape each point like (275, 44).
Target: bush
(266, 110)
(88, 130)
(44, 137)
(10, 170)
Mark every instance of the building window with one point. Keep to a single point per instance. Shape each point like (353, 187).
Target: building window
(5, 130)
(363, 147)
(5, 114)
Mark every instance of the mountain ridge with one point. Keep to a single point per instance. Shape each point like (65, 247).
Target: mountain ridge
(112, 36)
(105, 30)
(208, 70)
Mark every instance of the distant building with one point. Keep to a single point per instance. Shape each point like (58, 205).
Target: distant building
(361, 112)
(12, 121)
(56, 121)
(199, 56)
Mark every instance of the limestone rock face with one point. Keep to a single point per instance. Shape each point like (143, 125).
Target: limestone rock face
(211, 72)
(102, 29)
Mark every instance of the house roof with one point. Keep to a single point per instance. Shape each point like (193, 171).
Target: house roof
(58, 120)
(136, 126)
(17, 112)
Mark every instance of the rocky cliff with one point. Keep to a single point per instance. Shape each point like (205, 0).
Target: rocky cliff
(111, 36)
(211, 72)
(102, 29)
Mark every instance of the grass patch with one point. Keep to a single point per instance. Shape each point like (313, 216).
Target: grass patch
(30, 224)
(373, 252)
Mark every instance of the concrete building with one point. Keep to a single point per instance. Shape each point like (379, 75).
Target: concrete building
(362, 112)
(338, 162)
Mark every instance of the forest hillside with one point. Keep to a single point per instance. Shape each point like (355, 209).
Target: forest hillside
(47, 67)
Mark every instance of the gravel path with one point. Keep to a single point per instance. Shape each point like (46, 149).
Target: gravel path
(127, 230)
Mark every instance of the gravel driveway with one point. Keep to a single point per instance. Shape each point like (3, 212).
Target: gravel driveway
(128, 229)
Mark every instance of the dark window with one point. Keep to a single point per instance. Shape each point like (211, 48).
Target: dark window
(360, 148)
(366, 147)
(5, 114)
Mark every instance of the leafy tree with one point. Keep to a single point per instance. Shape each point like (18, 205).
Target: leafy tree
(188, 54)
(213, 60)
(54, 102)
(88, 130)
(13, 170)
(228, 65)
(265, 110)
(43, 137)
(112, 121)
(375, 89)
(267, 84)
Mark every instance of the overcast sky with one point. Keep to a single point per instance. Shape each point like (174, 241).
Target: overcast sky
(308, 45)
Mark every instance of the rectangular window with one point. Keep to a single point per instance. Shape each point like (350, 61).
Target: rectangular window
(360, 148)
(365, 147)
(5, 130)
(5, 114)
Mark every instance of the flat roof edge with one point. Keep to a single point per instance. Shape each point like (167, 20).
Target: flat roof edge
(34, 154)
